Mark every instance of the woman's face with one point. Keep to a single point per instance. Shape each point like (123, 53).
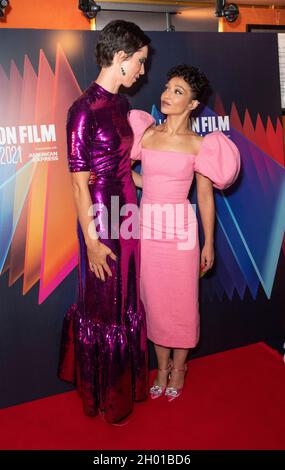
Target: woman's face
(176, 97)
(134, 67)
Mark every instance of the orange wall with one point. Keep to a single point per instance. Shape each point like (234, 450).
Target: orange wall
(254, 16)
(64, 14)
(44, 14)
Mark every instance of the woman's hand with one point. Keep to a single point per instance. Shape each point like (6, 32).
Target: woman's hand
(97, 253)
(207, 257)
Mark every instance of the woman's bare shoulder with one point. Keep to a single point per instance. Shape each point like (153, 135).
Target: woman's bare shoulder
(150, 131)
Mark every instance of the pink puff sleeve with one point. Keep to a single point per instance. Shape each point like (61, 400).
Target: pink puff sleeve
(139, 122)
(218, 160)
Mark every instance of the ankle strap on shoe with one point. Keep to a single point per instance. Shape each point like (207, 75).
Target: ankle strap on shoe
(180, 370)
(167, 368)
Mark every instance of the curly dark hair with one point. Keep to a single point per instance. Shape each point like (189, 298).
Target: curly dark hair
(196, 79)
(119, 35)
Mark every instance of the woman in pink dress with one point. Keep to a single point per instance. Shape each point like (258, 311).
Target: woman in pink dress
(170, 255)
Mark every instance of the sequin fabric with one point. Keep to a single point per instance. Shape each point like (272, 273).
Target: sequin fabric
(104, 349)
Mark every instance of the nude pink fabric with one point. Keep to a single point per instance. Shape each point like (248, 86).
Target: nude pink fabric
(169, 274)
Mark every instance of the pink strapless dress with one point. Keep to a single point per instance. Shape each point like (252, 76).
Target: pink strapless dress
(170, 253)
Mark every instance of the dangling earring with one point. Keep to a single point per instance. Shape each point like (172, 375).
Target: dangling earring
(123, 71)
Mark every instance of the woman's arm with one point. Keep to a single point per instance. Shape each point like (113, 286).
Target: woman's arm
(83, 202)
(206, 206)
(96, 251)
(137, 178)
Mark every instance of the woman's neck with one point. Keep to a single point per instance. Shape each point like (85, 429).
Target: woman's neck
(107, 79)
(177, 124)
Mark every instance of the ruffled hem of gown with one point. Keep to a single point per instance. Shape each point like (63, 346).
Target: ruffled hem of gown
(108, 363)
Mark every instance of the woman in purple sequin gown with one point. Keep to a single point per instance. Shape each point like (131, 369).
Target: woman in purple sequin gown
(104, 349)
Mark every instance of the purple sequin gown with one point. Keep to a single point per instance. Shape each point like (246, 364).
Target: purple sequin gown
(104, 348)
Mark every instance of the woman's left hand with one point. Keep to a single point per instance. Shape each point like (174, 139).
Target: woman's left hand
(207, 257)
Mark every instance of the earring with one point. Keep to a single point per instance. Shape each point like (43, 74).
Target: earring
(123, 71)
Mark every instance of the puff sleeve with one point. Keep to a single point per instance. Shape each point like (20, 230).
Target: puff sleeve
(78, 136)
(218, 160)
(139, 122)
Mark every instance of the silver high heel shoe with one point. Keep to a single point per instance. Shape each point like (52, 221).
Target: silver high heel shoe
(171, 392)
(157, 390)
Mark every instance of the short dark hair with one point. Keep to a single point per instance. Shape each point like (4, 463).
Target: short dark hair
(196, 79)
(119, 35)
